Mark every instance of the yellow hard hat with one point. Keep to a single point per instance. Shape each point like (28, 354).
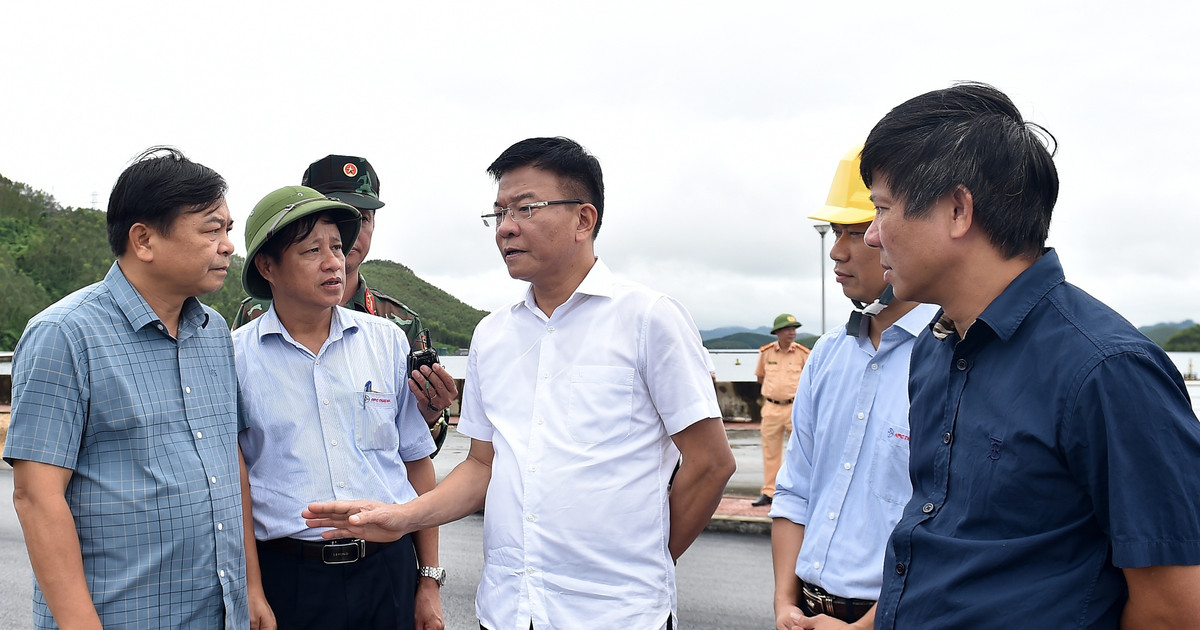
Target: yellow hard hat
(849, 201)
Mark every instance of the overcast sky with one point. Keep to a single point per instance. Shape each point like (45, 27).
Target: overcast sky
(718, 124)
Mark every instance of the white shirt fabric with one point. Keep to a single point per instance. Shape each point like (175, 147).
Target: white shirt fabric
(331, 426)
(579, 408)
(845, 473)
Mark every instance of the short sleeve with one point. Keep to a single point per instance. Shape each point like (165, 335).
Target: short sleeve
(50, 394)
(675, 368)
(1133, 440)
(472, 421)
(415, 440)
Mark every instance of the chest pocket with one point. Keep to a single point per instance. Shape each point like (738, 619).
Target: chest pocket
(889, 466)
(375, 422)
(600, 403)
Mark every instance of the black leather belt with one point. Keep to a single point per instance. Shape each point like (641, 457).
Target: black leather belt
(780, 402)
(339, 551)
(815, 600)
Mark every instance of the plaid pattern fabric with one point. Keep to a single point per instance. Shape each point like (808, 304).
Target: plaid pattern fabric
(149, 426)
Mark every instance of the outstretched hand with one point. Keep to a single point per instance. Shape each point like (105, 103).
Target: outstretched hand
(369, 520)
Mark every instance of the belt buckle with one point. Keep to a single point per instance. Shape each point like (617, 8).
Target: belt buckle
(822, 604)
(344, 552)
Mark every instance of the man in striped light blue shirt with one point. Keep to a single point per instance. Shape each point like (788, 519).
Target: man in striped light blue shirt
(844, 479)
(329, 415)
(124, 422)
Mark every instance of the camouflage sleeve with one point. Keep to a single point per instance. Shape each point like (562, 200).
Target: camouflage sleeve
(394, 311)
(251, 309)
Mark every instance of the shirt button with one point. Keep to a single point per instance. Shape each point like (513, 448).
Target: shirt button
(533, 469)
(946, 438)
(540, 420)
(341, 484)
(221, 573)
(961, 364)
(220, 527)
(325, 402)
(199, 435)
(317, 362)
(817, 565)
(861, 415)
(550, 329)
(213, 479)
(927, 508)
(832, 516)
(846, 466)
(545, 375)
(187, 390)
(532, 518)
(333, 442)
(874, 366)
(160, 326)
(900, 568)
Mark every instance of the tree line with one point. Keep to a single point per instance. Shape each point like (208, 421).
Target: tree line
(48, 250)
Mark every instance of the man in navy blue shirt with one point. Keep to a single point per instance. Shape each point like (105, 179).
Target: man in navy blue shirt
(1055, 457)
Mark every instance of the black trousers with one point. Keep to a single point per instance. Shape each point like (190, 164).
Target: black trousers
(376, 593)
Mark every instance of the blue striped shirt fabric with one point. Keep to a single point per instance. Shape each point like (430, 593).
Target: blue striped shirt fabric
(334, 425)
(845, 472)
(148, 424)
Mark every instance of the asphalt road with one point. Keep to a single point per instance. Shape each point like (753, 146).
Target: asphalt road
(724, 580)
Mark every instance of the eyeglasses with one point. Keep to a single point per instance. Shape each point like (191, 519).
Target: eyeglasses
(520, 213)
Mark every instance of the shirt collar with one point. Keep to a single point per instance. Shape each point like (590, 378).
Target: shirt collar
(598, 281)
(138, 312)
(1005, 313)
(359, 301)
(916, 319)
(338, 326)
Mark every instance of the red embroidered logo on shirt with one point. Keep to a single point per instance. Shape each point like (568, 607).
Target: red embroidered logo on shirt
(894, 433)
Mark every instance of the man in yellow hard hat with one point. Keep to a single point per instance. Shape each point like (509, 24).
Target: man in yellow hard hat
(844, 480)
(778, 371)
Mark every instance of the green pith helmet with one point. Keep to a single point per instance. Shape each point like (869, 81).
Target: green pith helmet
(781, 322)
(849, 201)
(280, 208)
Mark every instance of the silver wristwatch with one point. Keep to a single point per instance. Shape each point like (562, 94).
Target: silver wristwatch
(437, 574)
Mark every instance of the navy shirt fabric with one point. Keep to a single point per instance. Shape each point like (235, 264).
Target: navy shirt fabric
(1051, 447)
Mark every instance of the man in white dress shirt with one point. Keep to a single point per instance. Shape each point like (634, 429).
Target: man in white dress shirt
(579, 400)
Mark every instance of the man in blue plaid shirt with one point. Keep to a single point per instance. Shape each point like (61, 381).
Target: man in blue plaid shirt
(124, 422)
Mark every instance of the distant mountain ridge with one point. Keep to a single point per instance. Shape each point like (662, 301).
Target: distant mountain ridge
(1160, 333)
(742, 338)
(725, 331)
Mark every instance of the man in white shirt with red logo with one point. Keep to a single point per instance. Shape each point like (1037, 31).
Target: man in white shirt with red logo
(579, 399)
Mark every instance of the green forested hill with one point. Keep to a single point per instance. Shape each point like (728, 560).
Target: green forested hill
(450, 321)
(48, 251)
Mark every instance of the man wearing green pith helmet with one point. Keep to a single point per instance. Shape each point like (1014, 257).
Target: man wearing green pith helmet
(329, 413)
(352, 180)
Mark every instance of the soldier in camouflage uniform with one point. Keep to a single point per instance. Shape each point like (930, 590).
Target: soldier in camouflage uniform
(352, 180)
